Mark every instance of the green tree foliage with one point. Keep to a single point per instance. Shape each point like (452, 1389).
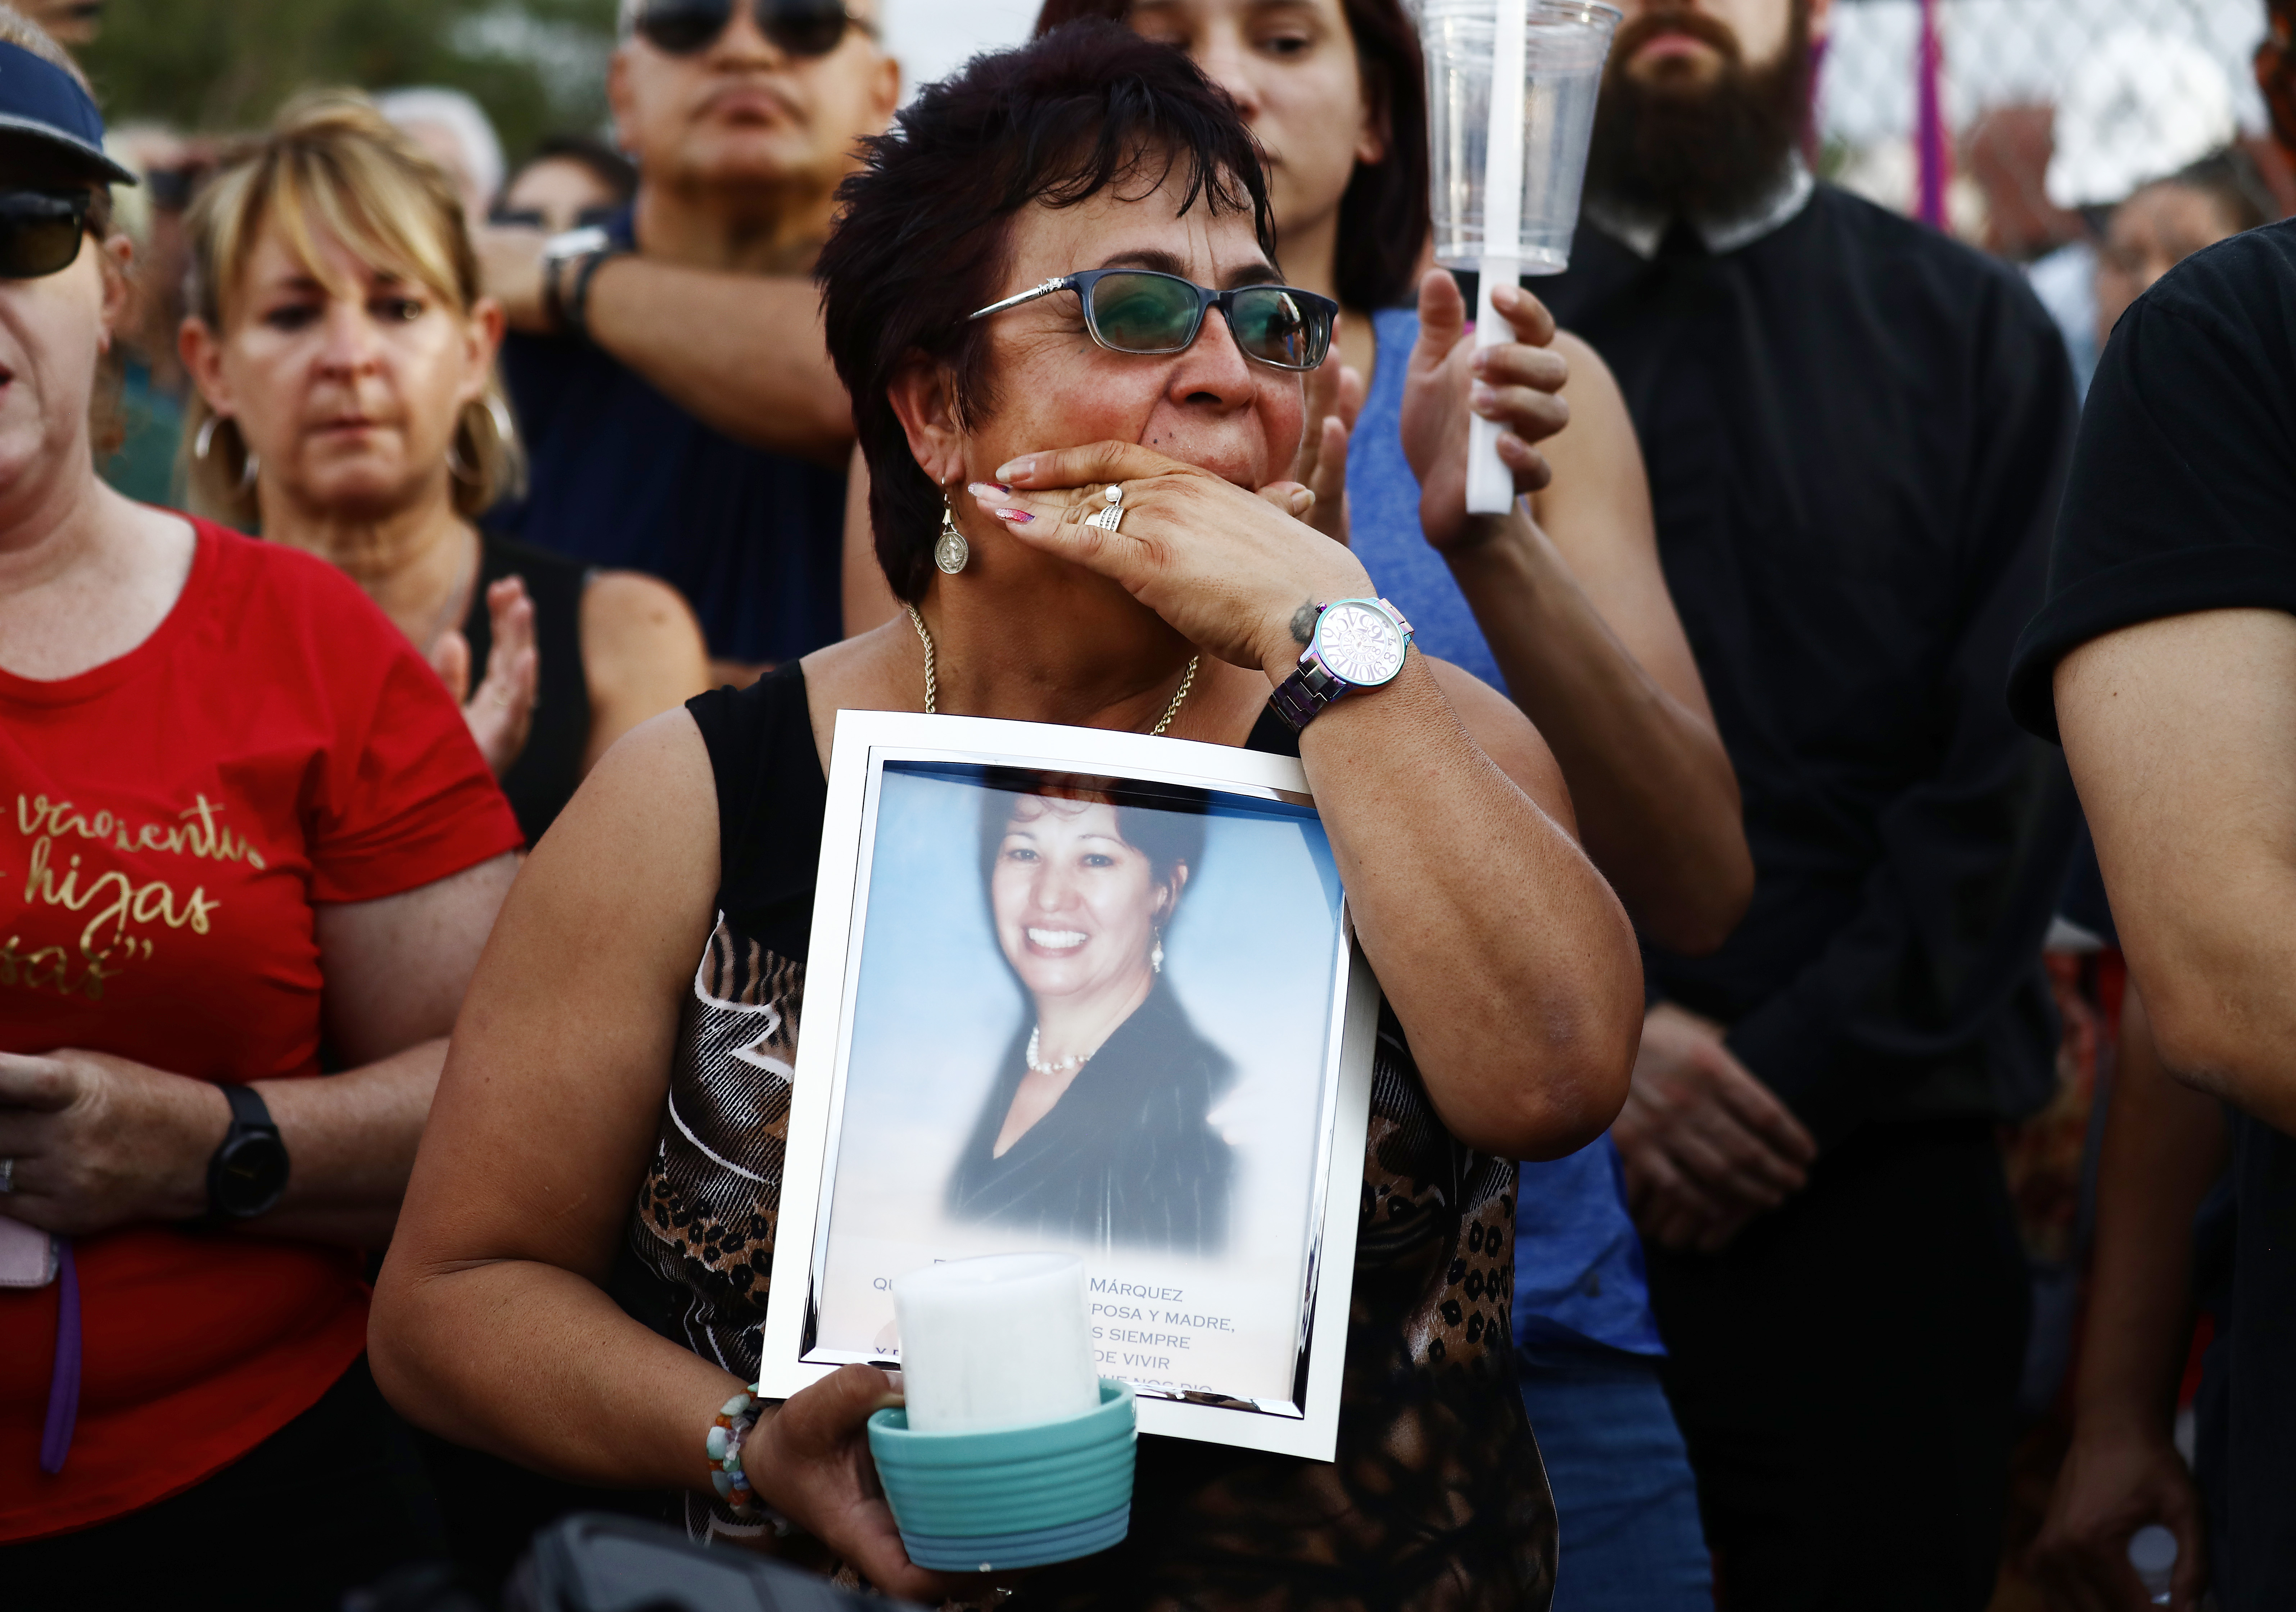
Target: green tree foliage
(537, 66)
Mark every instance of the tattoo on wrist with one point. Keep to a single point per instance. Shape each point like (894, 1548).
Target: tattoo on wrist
(1303, 625)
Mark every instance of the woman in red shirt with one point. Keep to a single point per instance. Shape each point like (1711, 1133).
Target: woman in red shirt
(244, 834)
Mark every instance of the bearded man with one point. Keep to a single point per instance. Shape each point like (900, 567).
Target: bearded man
(1856, 432)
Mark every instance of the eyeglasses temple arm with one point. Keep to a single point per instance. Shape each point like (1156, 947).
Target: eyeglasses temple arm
(1030, 295)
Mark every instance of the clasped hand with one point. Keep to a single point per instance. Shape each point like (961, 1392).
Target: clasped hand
(101, 1141)
(1706, 1145)
(1227, 567)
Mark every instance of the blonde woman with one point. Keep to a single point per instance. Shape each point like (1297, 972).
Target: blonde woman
(347, 405)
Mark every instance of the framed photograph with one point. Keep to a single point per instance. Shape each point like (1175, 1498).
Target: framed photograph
(1091, 993)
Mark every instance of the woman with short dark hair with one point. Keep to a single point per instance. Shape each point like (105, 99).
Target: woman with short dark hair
(1053, 280)
(1563, 605)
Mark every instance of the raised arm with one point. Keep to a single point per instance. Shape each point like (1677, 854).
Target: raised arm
(1570, 598)
(742, 352)
(1502, 952)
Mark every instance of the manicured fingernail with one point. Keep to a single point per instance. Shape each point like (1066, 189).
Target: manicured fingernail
(1481, 360)
(1015, 470)
(1017, 517)
(987, 489)
(1481, 396)
(1505, 296)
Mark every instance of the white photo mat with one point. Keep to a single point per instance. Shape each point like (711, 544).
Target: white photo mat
(1299, 1419)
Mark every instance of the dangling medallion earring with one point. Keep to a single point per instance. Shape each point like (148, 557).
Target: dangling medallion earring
(951, 553)
(1156, 953)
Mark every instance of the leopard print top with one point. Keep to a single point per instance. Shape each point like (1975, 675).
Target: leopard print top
(1438, 1498)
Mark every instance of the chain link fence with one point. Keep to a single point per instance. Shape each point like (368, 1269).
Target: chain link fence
(2119, 92)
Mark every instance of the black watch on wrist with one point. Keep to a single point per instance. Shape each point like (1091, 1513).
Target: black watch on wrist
(249, 1172)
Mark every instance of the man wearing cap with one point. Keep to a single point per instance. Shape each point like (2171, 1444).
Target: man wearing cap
(2165, 659)
(1855, 430)
(679, 410)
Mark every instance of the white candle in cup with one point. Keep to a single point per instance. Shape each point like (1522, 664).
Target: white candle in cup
(1004, 1341)
(1491, 484)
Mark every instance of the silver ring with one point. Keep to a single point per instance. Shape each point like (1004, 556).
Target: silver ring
(7, 1174)
(1106, 517)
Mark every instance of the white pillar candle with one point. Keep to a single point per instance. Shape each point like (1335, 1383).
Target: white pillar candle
(1004, 1341)
(1491, 484)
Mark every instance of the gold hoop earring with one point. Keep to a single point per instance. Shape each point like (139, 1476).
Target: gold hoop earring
(456, 468)
(951, 552)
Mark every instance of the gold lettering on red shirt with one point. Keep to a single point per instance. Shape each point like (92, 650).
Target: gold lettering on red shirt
(113, 899)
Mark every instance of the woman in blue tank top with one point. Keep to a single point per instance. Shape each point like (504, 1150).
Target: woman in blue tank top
(1563, 606)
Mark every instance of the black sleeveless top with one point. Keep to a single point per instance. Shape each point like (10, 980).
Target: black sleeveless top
(548, 771)
(1437, 1498)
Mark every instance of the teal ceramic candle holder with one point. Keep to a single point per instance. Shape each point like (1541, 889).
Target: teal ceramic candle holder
(1017, 1497)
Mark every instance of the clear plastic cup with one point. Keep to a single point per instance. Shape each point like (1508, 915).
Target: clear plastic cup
(1564, 44)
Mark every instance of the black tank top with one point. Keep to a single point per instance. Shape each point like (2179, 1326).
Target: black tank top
(1437, 1498)
(544, 778)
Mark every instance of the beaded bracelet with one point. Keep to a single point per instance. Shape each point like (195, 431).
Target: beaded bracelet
(731, 1424)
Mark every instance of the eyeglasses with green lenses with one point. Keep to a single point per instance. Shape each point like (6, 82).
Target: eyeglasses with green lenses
(1144, 312)
(40, 233)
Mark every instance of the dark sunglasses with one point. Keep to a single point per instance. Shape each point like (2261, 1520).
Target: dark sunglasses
(39, 232)
(1141, 311)
(795, 27)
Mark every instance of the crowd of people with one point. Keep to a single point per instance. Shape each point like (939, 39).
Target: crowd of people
(398, 836)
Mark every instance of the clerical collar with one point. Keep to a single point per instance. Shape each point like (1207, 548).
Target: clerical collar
(1642, 232)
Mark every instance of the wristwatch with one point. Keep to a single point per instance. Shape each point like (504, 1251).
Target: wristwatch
(1358, 643)
(569, 306)
(249, 1172)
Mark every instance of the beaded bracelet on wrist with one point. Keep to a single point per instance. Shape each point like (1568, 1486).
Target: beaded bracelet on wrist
(727, 1430)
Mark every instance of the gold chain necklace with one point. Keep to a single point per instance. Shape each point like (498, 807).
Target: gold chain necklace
(932, 688)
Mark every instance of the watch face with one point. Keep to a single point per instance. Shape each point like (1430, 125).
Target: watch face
(1361, 644)
(250, 1174)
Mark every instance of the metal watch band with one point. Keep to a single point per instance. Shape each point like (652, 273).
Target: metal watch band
(1310, 690)
(1300, 698)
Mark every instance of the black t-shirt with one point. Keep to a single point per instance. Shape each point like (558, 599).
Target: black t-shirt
(2182, 498)
(2182, 491)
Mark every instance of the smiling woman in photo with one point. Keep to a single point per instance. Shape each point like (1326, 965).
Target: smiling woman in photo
(1096, 1128)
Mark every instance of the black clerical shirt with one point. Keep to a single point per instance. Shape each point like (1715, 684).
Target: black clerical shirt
(1856, 431)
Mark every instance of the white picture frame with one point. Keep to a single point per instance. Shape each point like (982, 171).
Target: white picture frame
(1259, 1390)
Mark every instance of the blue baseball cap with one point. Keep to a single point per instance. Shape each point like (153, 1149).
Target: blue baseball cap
(42, 104)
